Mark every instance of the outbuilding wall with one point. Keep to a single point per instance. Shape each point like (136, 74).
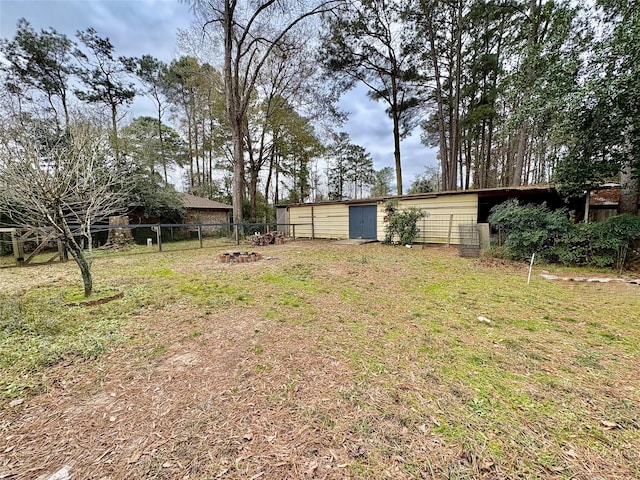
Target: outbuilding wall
(329, 221)
(443, 216)
(208, 216)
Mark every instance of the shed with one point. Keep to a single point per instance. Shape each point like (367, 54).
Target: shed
(603, 202)
(447, 214)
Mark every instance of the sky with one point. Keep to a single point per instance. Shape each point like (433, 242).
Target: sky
(139, 27)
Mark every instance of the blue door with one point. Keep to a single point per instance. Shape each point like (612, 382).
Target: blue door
(363, 221)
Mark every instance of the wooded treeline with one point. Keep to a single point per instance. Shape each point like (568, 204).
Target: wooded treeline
(509, 92)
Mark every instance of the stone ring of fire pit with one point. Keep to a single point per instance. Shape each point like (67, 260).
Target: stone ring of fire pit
(239, 257)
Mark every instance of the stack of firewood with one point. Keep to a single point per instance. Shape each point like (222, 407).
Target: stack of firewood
(269, 238)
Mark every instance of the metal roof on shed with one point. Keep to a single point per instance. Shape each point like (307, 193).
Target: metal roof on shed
(481, 192)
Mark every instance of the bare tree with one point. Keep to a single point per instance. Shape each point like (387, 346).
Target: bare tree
(60, 183)
(250, 32)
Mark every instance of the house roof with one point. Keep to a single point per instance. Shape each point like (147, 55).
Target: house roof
(201, 203)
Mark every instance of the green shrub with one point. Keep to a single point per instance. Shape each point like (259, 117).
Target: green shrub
(530, 229)
(611, 239)
(555, 238)
(402, 224)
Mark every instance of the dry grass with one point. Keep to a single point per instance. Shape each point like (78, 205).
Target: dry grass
(324, 362)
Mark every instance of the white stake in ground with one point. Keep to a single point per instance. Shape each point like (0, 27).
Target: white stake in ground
(530, 268)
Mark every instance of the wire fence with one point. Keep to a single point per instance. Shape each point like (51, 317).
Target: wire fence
(21, 246)
(17, 246)
(448, 229)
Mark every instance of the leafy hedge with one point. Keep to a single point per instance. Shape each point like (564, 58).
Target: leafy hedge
(554, 237)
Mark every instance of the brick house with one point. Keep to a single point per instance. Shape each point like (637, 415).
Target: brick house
(205, 211)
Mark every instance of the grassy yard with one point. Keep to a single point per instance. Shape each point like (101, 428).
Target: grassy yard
(319, 361)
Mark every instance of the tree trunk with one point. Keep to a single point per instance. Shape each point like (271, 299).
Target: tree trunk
(442, 143)
(629, 187)
(114, 126)
(396, 133)
(163, 155)
(232, 100)
(456, 151)
(529, 73)
(77, 253)
(85, 268)
(267, 187)
(516, 175)
(196, 150)
(237, 196)
(487, 163)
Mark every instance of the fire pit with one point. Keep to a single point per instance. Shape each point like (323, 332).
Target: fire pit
(239, 257)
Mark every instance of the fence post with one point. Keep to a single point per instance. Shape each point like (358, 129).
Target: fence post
(450, 228)
(313, 225)
(62, 252)
(18, 249)
(294, 231)
(237, 230)
(200, 234)
(159, 237)
(423, 231)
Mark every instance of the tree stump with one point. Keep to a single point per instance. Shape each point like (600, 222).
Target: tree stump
(119, 236)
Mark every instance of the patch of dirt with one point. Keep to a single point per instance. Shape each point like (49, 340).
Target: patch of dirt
(502, 264)
(98, 301)
(599, 279)
(243, 398)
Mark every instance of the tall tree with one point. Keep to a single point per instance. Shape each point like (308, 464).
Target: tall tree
(440, 23)
(42, 62)
(547, 69)
(603, 123)
(251, 31)
(295, 147)
(491, 33)
(181, 79)
(152, 73)
(104, 77)
(500, 73)
(381, 182)
(365, 44)
(155, 147)
(350, 169)
(288, 81)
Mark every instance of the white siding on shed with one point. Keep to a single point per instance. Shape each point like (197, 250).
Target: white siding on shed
(444, 214)
(300, 218)
(330, 221)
